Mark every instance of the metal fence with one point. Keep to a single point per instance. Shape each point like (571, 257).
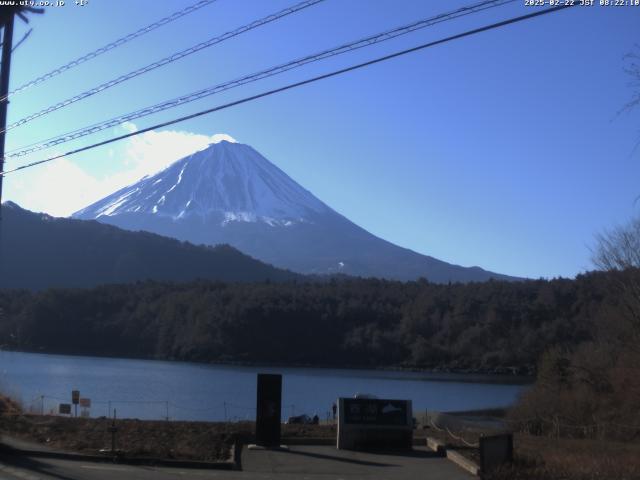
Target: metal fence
(150, 409)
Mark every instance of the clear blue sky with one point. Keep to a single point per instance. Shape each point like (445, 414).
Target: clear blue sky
(502, 150)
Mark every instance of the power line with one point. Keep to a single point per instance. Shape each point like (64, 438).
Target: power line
(110, 46)
(167, 60)
(297, 84)
(24, 37)
(348, 47)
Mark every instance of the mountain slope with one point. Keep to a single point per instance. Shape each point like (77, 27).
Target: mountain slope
(227, 178)
(39, 251)
(229, 193)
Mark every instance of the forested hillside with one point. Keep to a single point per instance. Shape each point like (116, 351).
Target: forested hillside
(478, 327)
(40, 251)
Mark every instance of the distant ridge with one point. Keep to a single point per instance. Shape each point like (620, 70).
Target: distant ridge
(229, 193)
(39, 251)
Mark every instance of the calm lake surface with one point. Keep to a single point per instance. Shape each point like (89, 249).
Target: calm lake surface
(149, 389)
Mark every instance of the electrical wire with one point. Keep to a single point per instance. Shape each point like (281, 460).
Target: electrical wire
(110, 46)
(344, 48)
(21, 41)
(165, 61)
(296, 84)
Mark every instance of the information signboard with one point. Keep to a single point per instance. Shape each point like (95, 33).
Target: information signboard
(375, 412)
(371, 423)
(75, 397)
(64, 409)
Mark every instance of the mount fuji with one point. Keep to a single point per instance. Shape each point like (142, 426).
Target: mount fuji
(229, 193)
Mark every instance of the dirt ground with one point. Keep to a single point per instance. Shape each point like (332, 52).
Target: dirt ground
(137, 438)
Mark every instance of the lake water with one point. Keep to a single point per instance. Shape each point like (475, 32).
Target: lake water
(149, 389)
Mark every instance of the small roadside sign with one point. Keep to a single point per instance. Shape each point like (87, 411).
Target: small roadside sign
(75, 397)
(64, 409)
(85, 402)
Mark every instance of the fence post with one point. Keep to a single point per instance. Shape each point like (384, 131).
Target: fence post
(113, 429)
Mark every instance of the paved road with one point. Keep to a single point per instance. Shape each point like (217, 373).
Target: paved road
(300, 462)
(324, 462)
(54, 469)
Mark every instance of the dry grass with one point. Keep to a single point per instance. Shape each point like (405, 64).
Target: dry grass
(545, 458)
(539, 458)
(179, 440)
(9, 406)
(575, 459)
(183, 440)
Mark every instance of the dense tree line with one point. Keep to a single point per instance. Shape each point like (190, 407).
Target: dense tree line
(342, 322)
(593, 389)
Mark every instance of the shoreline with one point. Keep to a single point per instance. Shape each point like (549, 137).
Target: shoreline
(498, 375)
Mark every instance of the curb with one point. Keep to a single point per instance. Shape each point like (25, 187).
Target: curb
(437, 446)
(463, 462)
(331, 441)
(232, 464)
(308, 441)
(236, 455)
(457, 458)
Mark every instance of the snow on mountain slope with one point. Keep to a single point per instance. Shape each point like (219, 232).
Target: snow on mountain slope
(229, 193)
(229, 179)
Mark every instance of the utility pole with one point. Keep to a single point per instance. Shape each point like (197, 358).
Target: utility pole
(7, 15)
(5, 68)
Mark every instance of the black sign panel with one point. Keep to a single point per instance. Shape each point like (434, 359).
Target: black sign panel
(75, 397)
(268, 410)
(495, 450)
(365, 411)
(64, 409)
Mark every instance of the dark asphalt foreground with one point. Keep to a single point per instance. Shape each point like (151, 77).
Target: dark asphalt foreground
(325, 462)
(300, 462)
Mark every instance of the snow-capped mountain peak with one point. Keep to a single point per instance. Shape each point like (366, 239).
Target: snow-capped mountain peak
(222, 137)
(229, 180)
(229, 194)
